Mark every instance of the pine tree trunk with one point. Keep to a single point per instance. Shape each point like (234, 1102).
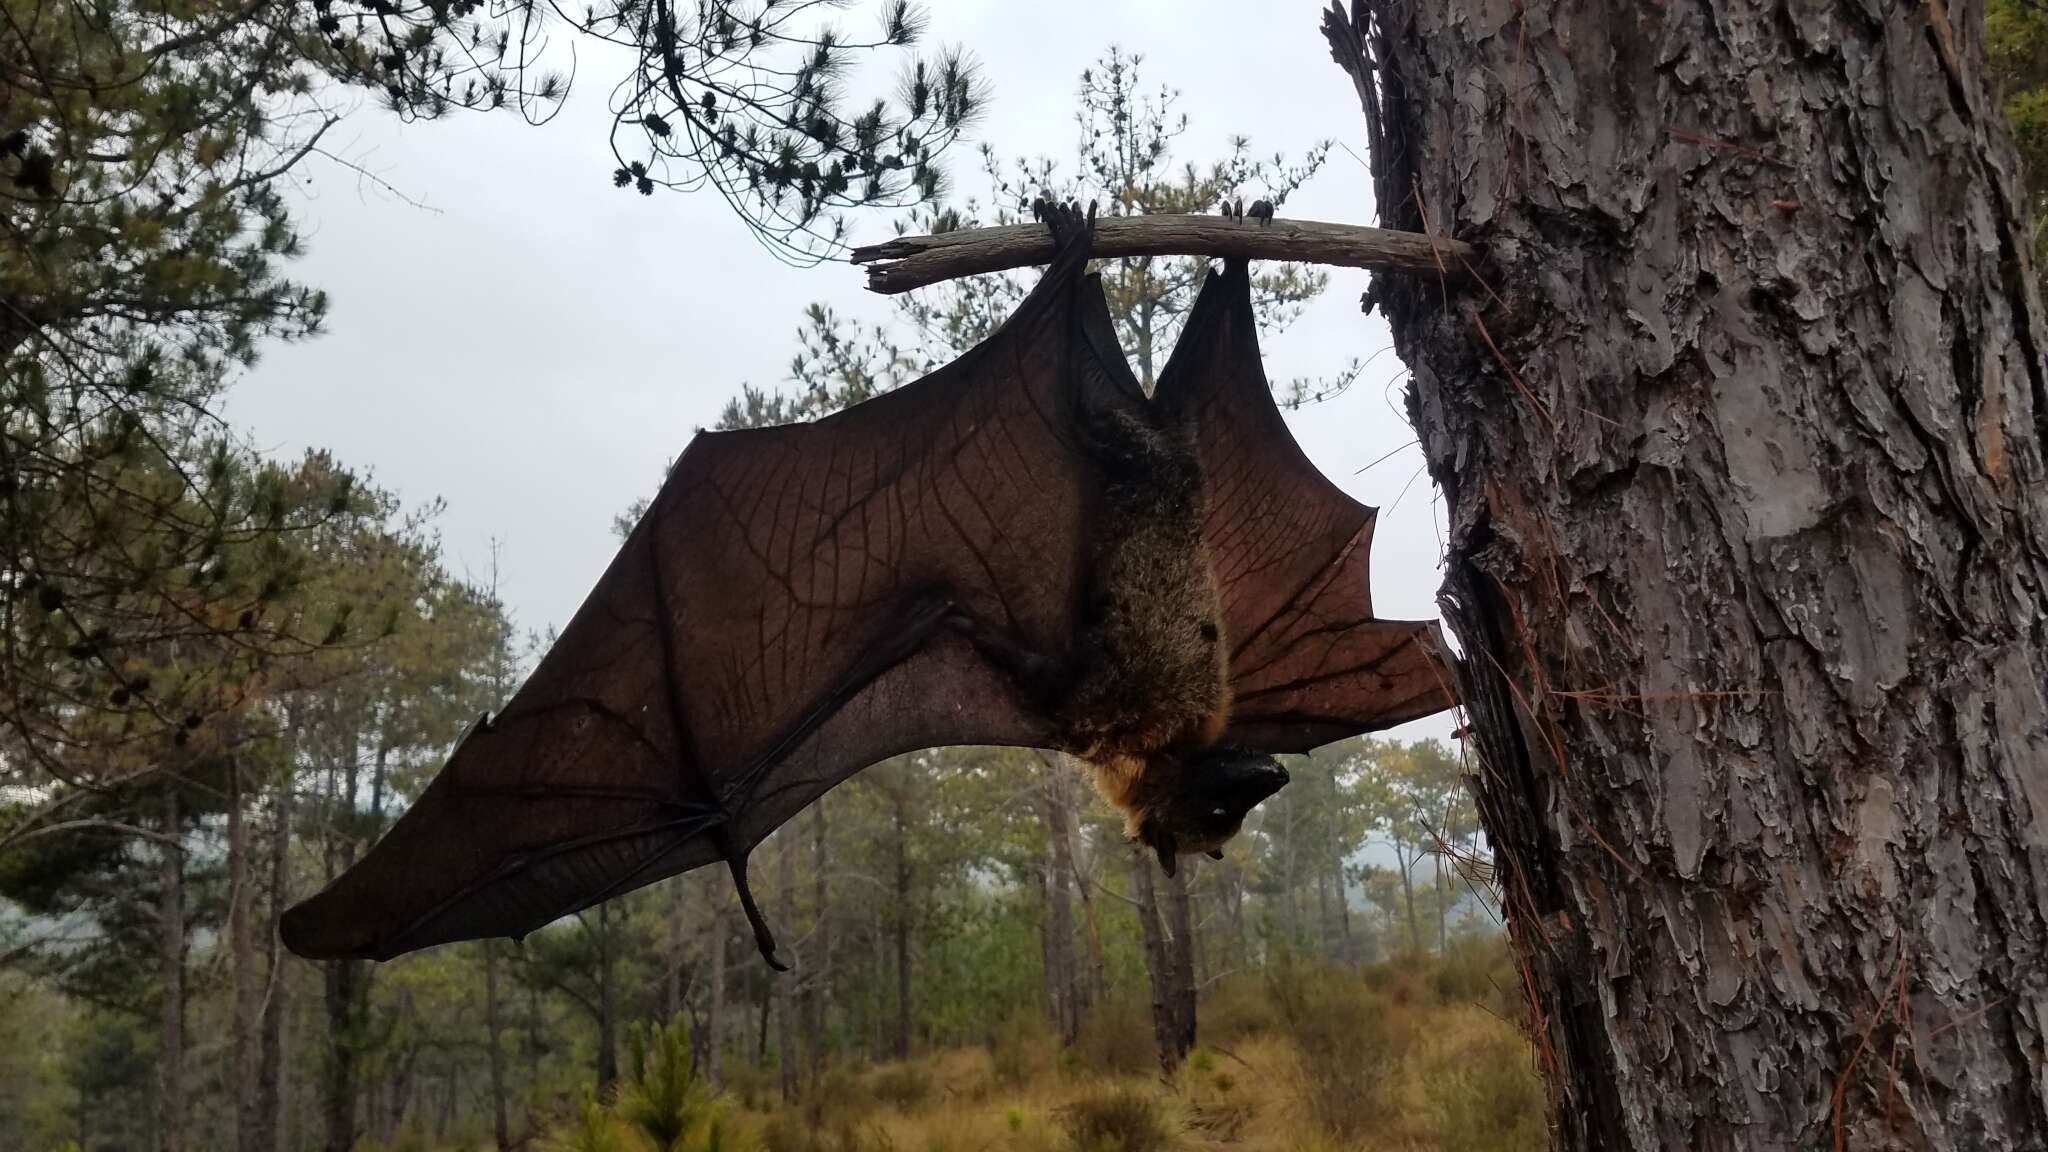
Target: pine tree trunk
(1062, 969)
(1406, 859)
(714, 1015)
(345, 983)
(270, 1087)
(494, 1046)
(247, 976)
(1180, 959)
(786, 1059)
(536, 1022)
(1742, 450)
(675, 965)
(1443, 904)
(818, 981)
(901, 926)
(1326, 916)
(607, 1006)
(1158, 974)
(338, 1075)
(1347, 948)
(171, 972)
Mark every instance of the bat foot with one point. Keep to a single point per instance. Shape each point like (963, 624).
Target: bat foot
(763, 938)
(1067, 222)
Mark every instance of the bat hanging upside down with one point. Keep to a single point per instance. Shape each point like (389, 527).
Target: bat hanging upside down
(1021, 548)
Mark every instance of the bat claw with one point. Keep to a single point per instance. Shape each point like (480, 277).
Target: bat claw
(1067, 222)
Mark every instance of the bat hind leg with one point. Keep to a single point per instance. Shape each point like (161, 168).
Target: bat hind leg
(764, 939)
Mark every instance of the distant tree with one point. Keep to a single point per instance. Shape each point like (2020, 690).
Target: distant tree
(1124, 163)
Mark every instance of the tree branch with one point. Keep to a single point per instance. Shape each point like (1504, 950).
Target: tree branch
(909, 262)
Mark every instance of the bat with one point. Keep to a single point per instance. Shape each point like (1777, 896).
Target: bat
(1020, 548)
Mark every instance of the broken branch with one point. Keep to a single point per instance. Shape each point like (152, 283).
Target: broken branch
(909, 262)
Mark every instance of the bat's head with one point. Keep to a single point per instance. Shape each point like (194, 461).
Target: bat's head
(1210, 793)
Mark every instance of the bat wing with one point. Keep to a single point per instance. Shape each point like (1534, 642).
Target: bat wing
(796, 604)
(1309, 663)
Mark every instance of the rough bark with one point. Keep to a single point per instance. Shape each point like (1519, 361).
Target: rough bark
(170, 913)
(1742, 450)
(907, 262)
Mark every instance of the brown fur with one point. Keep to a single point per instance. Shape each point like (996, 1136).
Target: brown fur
(1153, 664)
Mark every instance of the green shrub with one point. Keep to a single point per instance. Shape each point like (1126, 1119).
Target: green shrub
(591, 1129)
(1123, 1120)
(660, 1098)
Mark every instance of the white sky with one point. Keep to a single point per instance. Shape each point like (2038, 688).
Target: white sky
(534, 344)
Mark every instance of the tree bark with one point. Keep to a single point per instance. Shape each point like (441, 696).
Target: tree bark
(907, 262)
(270, 1088)
(901, 926)
(676, 964)
(786, 1058)
(607, 1006)
(345, 983)
(714, 1015)
(247, 977)
(1406, 858)
(1180, 959)
(1347, 945)
(1742, 451)
(1158, 977)
(171, 971)
(1063, 976)
(344, 1034)
(501, 1126)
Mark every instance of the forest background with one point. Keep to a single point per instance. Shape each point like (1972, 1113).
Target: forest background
(227, 667)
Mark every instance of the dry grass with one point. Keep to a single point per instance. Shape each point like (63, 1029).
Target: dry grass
(1407, 1058)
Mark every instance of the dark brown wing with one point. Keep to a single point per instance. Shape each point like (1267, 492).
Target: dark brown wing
(788, 611)
(1309, 663)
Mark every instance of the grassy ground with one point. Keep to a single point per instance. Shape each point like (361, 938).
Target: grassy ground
(1418, 1057)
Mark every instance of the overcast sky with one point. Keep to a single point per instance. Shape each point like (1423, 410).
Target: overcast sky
(533, 344)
